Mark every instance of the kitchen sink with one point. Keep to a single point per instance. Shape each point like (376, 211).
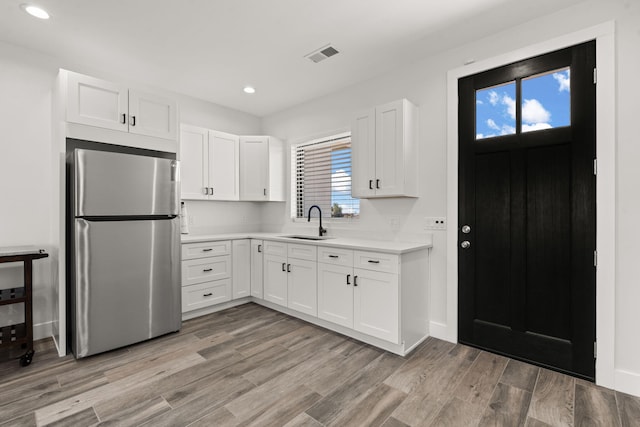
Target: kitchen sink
(303, 237)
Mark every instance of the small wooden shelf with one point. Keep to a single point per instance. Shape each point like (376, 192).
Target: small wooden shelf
(22, 333)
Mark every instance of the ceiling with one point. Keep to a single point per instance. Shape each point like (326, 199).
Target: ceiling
(211, 49)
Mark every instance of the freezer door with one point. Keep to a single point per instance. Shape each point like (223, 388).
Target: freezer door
(118, 184)
(127, 283)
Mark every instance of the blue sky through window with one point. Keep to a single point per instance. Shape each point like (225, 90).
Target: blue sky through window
(341, 182)
(546, 103)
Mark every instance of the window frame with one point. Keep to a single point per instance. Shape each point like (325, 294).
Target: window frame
(293, 178)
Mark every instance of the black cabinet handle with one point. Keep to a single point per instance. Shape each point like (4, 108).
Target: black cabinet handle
(259, 248)
(124, 118)
(348, 277)
(207, 250)
(374, 261)
(264, 191)
(133, 120)
(377, 183)
(211, 189)
(370, 184)
(355, 280)
(207, 295)
(206, 270)
(334, 256)
(283, 264)
(288, 268)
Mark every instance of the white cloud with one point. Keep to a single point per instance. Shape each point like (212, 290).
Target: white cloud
(340, 181)
(511, 105)
(564, 80)
(507, 130)
(534, 112)
(492, 124)
(479, 136)
(535, 126)
(479, 102)
(493, 97)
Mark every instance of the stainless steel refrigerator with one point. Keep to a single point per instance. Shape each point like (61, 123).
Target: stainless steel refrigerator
(125, 272)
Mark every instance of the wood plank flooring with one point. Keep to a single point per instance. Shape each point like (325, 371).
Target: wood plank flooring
(251, 366)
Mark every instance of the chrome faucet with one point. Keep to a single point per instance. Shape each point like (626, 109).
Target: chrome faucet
(320, 229)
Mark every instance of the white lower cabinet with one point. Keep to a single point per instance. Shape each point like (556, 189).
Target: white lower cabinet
(241, 258)
(206, 274)
(335, 294)
(362, 299)
(290, 272)
(256, 268)
(375, 304)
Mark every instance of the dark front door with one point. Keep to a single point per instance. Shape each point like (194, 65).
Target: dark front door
(527, 210)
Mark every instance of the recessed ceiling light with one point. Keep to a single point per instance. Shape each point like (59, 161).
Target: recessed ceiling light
(249, 89)
(36, 11)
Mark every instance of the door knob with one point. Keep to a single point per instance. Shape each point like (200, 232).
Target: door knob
(465, 244)
(466, 229)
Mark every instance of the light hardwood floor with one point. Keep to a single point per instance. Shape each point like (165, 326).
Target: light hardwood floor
(253, 366)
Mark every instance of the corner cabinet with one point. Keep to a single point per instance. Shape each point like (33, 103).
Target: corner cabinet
(261, 169)
(108, 105)
(210, 162)
(384, 151)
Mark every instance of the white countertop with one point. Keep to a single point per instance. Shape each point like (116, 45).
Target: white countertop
(335, 242)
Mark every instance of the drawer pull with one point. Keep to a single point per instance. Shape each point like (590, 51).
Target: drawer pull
(334, 256)
(348, 277)
(207, 295)
(207, 250)
(374, 261)
(206, 270)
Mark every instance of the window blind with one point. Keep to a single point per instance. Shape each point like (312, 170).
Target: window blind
(323, 178)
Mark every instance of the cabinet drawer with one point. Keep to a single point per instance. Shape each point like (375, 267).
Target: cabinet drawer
(274, 248)
(302, 251)
(205, 249)
(205, 269)
(205, 294)
(335, 256)
(376, 261)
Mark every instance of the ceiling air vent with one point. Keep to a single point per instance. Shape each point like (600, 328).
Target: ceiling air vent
(322, 53)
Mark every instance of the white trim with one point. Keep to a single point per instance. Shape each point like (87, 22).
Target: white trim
(42, 330)
(604, 34)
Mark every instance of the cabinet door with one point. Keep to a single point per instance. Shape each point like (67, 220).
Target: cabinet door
(275, 279)
(194, 164)
(241, 275)
(254, 168)
(375, 304)
(256, 268)
(389, 149)
(152, 115)
(363, 154)
(335, 294)
(224, 165)
(96, 102)
(302, 290)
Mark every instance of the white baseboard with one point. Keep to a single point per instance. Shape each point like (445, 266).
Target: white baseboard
(42, 330)
(627, 382)
(441, 331)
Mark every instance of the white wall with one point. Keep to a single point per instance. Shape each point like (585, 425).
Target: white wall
(27, 81)
(425, 84)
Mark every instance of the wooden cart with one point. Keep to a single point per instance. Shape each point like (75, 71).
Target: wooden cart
(20, 334)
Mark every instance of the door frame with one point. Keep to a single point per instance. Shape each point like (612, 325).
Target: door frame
(604, 34)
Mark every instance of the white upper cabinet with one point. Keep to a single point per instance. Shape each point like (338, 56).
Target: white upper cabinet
(104, 104)
(152, 115)
(384, 151)
(261, 168)
(224, 166)
(209, 164)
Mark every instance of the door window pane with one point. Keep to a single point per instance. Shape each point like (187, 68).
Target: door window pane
(496, 111)
(546, 100)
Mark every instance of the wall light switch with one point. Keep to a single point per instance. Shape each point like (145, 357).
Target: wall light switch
(435, 223)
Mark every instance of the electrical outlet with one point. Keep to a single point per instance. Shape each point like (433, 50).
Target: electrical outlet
(394, 223)
(191, 220)
(435, 223)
